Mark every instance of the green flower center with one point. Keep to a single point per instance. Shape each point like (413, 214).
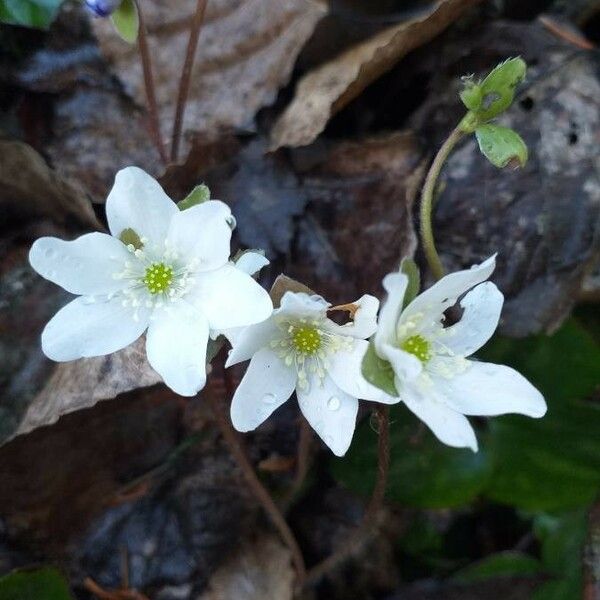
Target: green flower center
(418, 346)
(306, 340)
(158, 278)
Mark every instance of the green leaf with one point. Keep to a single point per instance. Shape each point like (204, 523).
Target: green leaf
(41, 584)
(502, 146)
(29, 13)
(409, 267)
(377, 371)
(130, 238)
(198, 195)
(552, 463)
(423, 472)
(503, 564)
(562, 538)
(471, 95)
(498, 88)
(126, 21)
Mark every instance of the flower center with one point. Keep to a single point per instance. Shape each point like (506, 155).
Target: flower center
(158, 277)
(306, 340)
(418, 346)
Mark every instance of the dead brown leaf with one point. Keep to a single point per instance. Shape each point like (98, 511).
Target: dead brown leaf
(246, 53)
(260, 569)
(29, 188)
(81, 384)
(327, 89)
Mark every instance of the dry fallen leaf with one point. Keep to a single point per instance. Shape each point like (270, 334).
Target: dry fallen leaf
(259, 570)
(323, 92)
(246, 52)
(29, 188)
(81, 384)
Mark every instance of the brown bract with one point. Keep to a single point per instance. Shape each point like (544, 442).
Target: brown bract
(246, 52)
(323, 92)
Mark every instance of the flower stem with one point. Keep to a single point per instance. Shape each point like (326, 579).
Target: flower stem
(427, 200)
(302, 458)
(186, 76)
(232, 439)
(364, 531)
(149, 84)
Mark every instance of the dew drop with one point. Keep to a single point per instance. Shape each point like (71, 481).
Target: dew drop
(269, 398)
(333, 403)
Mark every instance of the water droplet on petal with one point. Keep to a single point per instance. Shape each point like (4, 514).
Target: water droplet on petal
(333, 403)
(269, 398)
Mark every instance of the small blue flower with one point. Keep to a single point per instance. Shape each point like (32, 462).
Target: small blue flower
(102, 8)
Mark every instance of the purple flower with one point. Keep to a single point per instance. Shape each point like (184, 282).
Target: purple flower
(102, 8)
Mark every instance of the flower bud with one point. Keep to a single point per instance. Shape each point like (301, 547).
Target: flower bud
(102, 8)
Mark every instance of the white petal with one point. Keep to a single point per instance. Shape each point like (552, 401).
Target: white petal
(443, 294)
(364, 323)
(202, 233)
(487, 389)
(346, 372)
(137, 202)
(449, 426)
(86, 328)
(331, 413)
(267, 384)
(85, 266)
(395, 285)
(299, 304)
(251, 262)
(230, 298)
(482, 307)
(250, 340)
(176, 347)
(406, 366)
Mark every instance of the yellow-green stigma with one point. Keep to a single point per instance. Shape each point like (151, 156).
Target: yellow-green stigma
(306, 340)
(418, 346)
(158, 278)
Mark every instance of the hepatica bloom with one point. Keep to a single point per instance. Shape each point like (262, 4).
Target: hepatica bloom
(300, 348)
(173, 280)
(433, 376)
(102, 8)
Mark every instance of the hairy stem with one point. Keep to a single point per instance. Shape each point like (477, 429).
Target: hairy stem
(186, 77)
(232, 439)
(149, 85)
(363, 532)
(427, 201)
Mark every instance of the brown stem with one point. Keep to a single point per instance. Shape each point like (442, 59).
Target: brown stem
(363, 532)
(232, 439)
(302, 457)
(186, 76)
(152, 105)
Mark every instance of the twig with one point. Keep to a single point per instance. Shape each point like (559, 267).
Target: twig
(91, 586)
(232, 439)
(566, 32)
(149, 84)
(186, 77)
(363, 532)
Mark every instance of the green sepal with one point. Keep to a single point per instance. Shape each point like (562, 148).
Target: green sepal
(130, 238)
(498, 88)
(126, 21)
(502, 146)
(471, 95)
(409, 267)
(378, 372)
(198, 195)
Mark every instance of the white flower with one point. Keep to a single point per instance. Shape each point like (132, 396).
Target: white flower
(180, 285)
(299, 348)
(432, 375)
